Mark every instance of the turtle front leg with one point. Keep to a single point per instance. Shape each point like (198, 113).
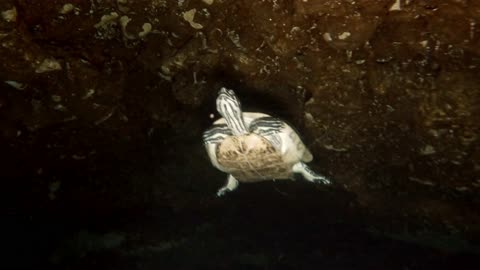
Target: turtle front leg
(231, 185)
(310, 175)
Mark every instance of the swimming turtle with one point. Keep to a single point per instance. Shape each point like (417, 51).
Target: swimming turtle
(253, 147)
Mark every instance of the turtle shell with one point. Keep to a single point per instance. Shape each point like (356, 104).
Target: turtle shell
(252, 158)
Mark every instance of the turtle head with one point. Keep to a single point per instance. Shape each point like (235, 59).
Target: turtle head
(229, 106)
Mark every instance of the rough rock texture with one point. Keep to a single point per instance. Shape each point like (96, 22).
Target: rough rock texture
(102, 105)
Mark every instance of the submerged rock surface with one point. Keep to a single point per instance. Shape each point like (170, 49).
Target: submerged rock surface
(102, 105)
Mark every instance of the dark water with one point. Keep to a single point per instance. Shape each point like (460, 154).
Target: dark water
(271, 225)
(151, 205)
(236, 240)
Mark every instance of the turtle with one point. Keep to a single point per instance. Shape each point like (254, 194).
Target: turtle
(253, 146)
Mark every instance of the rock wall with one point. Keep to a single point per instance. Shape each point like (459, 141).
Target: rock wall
(102, 103)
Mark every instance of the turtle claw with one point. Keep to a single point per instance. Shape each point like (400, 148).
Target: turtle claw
(231, 185)
(321, 180)
(222, 192)
(310, 175)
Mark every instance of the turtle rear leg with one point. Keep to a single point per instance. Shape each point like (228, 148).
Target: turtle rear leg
(231, 185)
(310, 175)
